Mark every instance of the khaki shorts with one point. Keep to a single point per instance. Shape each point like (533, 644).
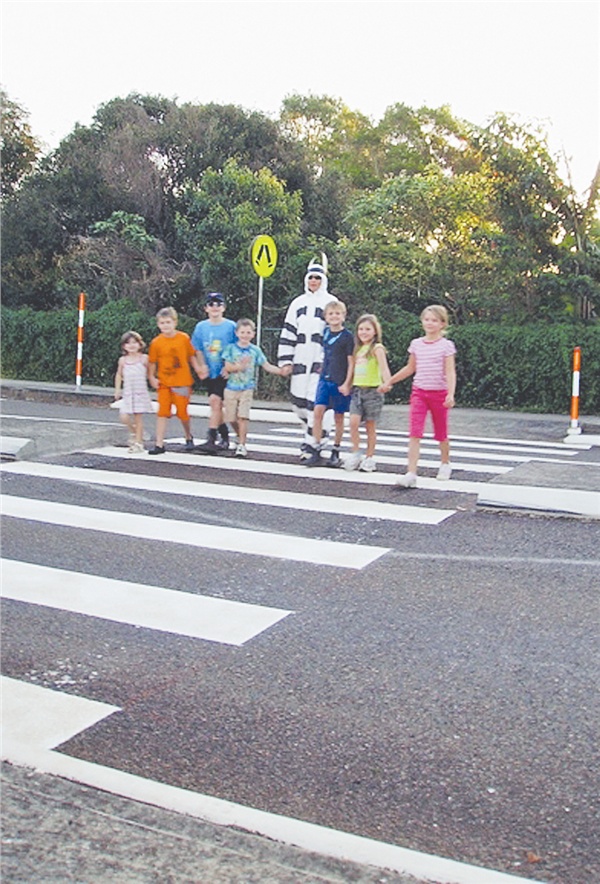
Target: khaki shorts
(237, 404)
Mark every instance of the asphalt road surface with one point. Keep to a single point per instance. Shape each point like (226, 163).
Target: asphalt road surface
(404, 666)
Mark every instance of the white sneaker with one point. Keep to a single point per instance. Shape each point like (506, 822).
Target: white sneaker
(241, 450)
(408, 480)
(352, 461)
(367, 465)
(444, 472)
(136, 448)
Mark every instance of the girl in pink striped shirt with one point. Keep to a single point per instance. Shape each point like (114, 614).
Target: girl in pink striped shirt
(431, 360)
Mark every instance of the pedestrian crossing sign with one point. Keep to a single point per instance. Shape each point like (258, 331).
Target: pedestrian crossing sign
(264, 255)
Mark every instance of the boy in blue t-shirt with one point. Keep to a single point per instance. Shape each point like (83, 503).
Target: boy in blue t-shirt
(241, 360)
(209, 339)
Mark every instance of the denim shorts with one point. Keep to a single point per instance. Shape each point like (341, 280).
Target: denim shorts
(366, 402)
(328, 394)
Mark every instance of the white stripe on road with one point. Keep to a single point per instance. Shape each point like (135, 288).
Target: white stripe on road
(398, 460)
(530, 497)
(150, 607)
(571, 447)
(197, 534)
(37, 719)
(222, 462)
(316, 503)
(501, 454)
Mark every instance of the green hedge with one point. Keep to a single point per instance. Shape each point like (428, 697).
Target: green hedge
(43, 346)
(526, 367)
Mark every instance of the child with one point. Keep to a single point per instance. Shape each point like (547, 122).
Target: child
(336, 372)
(132, 378)
(210, 337)
(241, 360)
(169, 359)
(432, 362)
(371, 370)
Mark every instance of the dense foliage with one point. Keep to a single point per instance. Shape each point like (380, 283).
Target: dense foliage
(159, 203)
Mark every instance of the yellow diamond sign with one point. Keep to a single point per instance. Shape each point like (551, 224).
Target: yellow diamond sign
(264, 255)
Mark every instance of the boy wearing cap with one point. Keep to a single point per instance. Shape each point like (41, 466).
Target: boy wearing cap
(209, 339)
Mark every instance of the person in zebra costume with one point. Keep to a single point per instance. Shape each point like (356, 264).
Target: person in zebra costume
(301, 346)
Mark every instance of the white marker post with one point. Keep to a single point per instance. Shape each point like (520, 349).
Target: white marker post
(79, 360)
(574, 428)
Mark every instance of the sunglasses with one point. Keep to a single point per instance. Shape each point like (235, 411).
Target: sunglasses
(315, 277)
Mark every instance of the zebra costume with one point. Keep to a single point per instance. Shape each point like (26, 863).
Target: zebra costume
(301, 344)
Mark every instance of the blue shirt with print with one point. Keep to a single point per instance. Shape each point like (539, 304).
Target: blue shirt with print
(211, 338)
(244, 379)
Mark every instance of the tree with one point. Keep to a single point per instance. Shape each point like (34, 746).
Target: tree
(218, 218)
(121, 260)
(413, 239)
(411, 140)
(20, 149)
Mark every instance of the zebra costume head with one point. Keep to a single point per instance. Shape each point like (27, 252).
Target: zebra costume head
(316, 268)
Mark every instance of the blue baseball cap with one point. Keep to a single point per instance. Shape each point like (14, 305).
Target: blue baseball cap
(215, 296)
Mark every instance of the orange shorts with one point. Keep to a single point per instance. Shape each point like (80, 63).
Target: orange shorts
(168, 397)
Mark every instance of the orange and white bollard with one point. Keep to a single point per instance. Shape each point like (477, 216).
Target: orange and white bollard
(79, 361)
(574, 428)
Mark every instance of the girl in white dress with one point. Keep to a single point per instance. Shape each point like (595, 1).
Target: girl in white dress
(131, 387)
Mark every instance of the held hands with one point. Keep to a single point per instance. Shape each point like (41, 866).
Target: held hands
(286, 370)
(385, 388)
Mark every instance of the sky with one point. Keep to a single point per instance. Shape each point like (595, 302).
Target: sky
(535, 60)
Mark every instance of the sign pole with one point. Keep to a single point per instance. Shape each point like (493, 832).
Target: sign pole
(260, 309)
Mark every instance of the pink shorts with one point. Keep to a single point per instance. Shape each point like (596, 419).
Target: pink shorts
(422, 401)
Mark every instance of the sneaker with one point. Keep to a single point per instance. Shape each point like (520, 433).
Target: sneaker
(408, 480)
(352, 461)
(305, 451)
(223, 444)
(158, 449)
(241, 450)
(208, 447)
(314, 458)
(189, 444)
(136, 448)
(335, 460)
(444, 472)
(367, 465)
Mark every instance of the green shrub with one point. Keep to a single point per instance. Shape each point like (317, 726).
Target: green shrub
(43, 346)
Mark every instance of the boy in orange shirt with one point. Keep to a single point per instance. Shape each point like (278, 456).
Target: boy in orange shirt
(169, 358)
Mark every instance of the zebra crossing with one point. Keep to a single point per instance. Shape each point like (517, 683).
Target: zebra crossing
(267, 515)
(275, 454)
